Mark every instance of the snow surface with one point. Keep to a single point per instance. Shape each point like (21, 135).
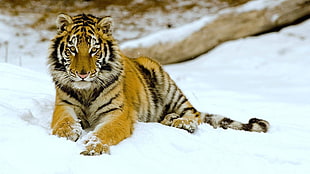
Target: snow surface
(266, 76)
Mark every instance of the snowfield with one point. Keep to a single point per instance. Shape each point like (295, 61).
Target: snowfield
(267, 76)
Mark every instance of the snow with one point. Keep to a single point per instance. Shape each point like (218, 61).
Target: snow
(258, 5)
(267, 76)
(168, 35)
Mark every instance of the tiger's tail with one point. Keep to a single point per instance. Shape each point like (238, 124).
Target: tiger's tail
(253, 125)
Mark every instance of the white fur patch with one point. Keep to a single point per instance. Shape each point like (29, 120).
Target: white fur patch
(81, 85)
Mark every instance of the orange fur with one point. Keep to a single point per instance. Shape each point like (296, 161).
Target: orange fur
(64, 121)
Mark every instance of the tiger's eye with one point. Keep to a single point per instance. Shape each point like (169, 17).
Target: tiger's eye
(94, 49)
(72, 49)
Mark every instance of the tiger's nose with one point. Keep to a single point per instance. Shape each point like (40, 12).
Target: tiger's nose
(82, 75)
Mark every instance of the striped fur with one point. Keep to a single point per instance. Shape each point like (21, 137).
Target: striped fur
(105, 92)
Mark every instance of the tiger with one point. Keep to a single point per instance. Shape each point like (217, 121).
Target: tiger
(101, 93)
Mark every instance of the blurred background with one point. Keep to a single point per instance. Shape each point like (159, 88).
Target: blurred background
(28, 25)
(135, 17)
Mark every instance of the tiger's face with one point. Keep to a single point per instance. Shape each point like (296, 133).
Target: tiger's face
(86, 50)
(81, 54)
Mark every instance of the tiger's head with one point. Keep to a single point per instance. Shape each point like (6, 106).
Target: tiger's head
(84, 53)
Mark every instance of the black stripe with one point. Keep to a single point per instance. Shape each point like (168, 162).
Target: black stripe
(187, 109)
(68, 39)
(263, 126)
(100, 57)
(105, 49)
(178, 104)
(111, 50)
(106, 67)
(85, 22)
(174, 91)
(108, 103)
(84, 123)
(183, 101)
(166, 111)
(67, 102)
(175, 102)
(112, 80)
(54, 60)
(247, 127)
(76, 27)
(99, 115)
(153, 87)
(152, 82)
(110, 110)
(169, 87)
(59, 67)
(70, 92)
(62, 47)
(96, 93)
(145, 88)
(76, 31)
(91, 32)
(225, 122)
(83, 29)
(78, 96)
(91, 26)
(84, 18)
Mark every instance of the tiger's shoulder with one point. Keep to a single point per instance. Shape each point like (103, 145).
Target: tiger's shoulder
(146, 62)
(145, 65)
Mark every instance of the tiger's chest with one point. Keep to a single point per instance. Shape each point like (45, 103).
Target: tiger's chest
(89, 105)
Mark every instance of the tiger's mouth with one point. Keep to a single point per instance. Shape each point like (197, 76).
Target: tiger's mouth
(82, 80)
(83, 76)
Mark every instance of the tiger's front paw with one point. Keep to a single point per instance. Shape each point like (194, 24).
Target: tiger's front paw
(68, 129)
(94, 147)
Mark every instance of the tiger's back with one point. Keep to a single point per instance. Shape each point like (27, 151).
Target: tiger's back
(157, 94)
(105, 92)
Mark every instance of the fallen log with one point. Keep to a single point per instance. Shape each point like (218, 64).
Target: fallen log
(191, 40)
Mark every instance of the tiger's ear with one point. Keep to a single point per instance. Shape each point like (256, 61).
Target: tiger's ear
(106, 25)
(62, 22)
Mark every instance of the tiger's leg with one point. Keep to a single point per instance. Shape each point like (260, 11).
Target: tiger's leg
(181, 113)
(189, 119)
(184, 117)
(111, 131)
(65, 123)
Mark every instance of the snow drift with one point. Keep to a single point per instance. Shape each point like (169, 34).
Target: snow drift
(266, 76)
